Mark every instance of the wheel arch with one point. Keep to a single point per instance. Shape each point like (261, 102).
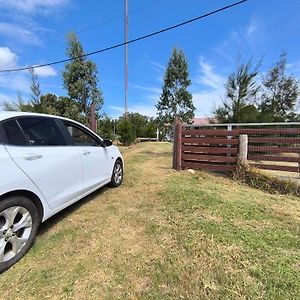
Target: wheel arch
(119, 158)
(28, 194)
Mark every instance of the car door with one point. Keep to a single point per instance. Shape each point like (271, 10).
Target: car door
(96, 159)
(38, 147)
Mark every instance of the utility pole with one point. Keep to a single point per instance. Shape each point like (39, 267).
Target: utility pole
(126, 56)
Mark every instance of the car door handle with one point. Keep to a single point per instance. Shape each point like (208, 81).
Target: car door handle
(32, 156)
(86, 152)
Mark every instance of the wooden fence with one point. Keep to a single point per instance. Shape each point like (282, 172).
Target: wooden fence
(214, 149)
(274, 148)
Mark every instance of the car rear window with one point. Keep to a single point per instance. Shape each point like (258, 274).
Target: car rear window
(41, 131)
(14, 133)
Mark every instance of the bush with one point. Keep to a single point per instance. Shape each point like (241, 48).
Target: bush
(255, 178)
(125, 131)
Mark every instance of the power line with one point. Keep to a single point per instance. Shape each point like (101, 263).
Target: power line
(90, 27)
(129, 42)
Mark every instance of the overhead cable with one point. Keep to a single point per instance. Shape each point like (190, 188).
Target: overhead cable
(143, 37)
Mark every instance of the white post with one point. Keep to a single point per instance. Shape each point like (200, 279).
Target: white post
(243, 149)
(157, 134)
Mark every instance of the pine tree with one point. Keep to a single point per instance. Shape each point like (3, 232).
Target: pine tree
(241, 91)
(175, 99)
(33, 104)
(80, 78)
(280, 94)
(35, 89)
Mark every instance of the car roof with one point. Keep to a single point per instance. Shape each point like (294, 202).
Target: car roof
(4, 115)
(12, 114)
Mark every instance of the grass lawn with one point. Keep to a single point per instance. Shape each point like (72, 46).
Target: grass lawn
(165, 235)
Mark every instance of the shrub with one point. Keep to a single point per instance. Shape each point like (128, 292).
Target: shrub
(255, 178)
(125, 130)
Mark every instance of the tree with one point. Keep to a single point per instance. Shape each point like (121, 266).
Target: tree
(34, 104)
(80, 79)
(125, 131)
(241, 91)
(19, 105)
(175, 99)
(280, 94)
(106, 127)
(36, 93)
(142, 126)
(61, 106)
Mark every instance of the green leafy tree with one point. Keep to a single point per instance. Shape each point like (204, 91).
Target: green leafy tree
(143, 126)
(241, 93)
(61, 106)
(280, 94)
(106, 128)
(175, 99)
(125, 131)
(151, 128)
(81, 78)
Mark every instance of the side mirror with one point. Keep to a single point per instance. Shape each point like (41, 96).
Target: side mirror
(107, 143)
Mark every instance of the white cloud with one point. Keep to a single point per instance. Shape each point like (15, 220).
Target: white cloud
(209, 89)
(156, 66)
(5, 98)
(19, 33)
(11, 81)
(32, 6)
(14, 81)
(245, 40)
(208, 76)
(152, 90)
(252, 27)
(294, 67)
(8, 59)
(46, 71)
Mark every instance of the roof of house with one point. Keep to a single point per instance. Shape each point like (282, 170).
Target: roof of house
(202, 121)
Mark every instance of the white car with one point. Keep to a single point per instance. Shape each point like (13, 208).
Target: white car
(46, 164)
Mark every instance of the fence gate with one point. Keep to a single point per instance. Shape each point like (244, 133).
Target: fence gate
(207, 149)
(218, 147)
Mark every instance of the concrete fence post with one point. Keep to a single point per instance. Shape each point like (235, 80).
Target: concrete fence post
(177, 144)
(243, 149)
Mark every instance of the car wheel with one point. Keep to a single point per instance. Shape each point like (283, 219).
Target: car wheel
(117, 174)
(19, 221)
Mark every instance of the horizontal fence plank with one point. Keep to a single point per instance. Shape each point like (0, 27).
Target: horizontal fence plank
(208, 158)
(209, 167)
(276, 167)
(210, 132)
(273, 140)
(211, 141)
(291, 131)
(273, 149)
(210, 150)
(273, 158)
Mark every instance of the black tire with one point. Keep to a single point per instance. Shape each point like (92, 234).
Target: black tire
(117, 174)
(24, 226)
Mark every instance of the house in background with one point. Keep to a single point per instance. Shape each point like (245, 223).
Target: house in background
(203, 121)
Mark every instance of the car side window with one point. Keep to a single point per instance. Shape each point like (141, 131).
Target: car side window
(14, 133)
(40, 131)
(80, 137)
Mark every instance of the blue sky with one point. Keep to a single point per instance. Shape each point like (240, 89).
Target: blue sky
(34, 31)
